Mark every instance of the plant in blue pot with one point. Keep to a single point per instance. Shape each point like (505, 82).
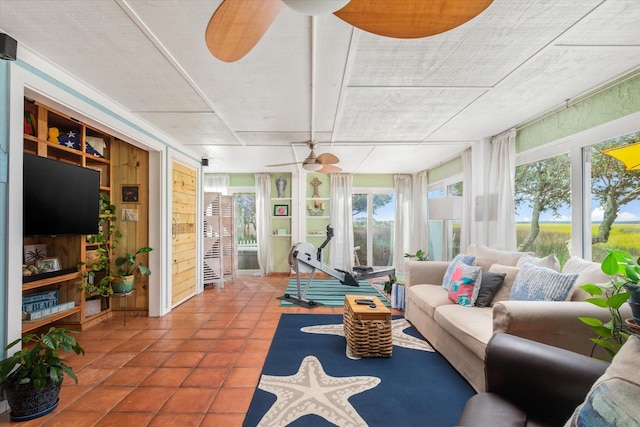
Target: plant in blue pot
(127, 266)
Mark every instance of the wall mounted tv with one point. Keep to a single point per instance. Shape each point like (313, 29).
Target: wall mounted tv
(59, 198)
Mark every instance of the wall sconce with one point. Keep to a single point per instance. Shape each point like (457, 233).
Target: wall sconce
(316, 208)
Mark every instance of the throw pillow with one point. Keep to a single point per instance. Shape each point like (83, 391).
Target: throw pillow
(465, 284)
(468, 260)
(541, 284)
(550, 261)
(489, 285)
(505, 290)
(613, 398)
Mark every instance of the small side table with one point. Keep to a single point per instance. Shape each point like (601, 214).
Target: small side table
(125, 295)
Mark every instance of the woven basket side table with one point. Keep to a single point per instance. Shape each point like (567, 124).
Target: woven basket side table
(367, 330)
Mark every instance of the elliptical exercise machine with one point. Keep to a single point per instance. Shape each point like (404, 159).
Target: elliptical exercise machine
(303, 258)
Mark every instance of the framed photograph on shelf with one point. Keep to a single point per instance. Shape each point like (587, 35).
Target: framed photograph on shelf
(48, 264)
(130, 193)
(32, 253)
(281, 210)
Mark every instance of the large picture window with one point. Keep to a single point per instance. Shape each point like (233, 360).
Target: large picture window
(373, 222)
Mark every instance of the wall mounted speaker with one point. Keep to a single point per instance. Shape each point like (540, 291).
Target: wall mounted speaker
(205, 162)
(8, 47)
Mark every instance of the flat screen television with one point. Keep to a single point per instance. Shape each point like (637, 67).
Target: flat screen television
(59, 198)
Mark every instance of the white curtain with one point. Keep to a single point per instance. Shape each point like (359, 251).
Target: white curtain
(420, 218)
(263, 219)
(467, 201)
(402, 223)
(216, 183)
(502, 223)
(341, 246)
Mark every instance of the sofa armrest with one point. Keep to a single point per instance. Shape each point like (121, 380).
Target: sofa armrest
(546, 381)
(551, 322)
(425, 272)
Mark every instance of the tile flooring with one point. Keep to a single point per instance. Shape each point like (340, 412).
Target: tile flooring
(197, 366)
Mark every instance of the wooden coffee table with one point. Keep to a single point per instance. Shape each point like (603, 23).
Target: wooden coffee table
(367, 329)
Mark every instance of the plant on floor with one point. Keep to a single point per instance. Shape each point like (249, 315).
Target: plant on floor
(420, 255)
(37, 369)
(625, 275)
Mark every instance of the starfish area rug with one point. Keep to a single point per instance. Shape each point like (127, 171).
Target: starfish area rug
(308, 379)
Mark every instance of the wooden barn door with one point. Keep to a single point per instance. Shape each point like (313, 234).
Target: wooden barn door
(183, 239)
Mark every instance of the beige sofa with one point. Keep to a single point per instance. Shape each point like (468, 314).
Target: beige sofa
(461, 333)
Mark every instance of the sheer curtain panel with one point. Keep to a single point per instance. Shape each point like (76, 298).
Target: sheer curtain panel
(216, 183)
(502, 227)
(467, 198)
(419, 220)
(402, 223)
(341, 246)
(263, 219)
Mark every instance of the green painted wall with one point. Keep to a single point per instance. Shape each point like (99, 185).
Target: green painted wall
(242, 180)
(450, 168)
(611, 104)
(373, 180)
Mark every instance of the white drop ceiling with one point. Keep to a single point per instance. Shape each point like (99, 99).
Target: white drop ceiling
(381, 105)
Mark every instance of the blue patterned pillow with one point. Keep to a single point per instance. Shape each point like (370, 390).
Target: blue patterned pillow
(533, 283)
(465, 259)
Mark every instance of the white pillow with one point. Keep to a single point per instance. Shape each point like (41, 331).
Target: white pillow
(550, 261)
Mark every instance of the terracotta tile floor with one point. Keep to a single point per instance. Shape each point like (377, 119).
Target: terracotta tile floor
(197, 366)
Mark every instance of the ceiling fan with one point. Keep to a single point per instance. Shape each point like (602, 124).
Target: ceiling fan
(238, 25)
(324, 163)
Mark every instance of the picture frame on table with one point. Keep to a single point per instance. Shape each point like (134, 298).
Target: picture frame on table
(281, 210)
(48, 264)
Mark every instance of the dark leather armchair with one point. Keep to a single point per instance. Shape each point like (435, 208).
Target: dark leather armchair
(530, 384)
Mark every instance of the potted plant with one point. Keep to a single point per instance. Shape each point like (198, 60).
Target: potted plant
(420, 255)
(127, 266)
(31, 378)
(625, 275)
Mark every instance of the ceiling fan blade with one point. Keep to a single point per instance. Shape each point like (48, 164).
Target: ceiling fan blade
(327, 159)
(330, 169)
(283, 164)
(237, 26)
(410, 19)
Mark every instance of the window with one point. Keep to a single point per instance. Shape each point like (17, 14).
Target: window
(373, 223)
(246, 231)
(543, 206)
(615, 200)
(445, 221)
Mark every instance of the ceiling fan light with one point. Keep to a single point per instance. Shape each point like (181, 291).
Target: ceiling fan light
(312, 166)
(316, 7)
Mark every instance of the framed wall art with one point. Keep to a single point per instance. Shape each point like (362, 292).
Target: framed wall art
(48, 264)
(130, 193)
(281, 210)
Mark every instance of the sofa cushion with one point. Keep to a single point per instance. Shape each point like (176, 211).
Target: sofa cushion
(550, 261)
(510, 275)
(541, 284)
(588, 272)
(473, 327)
(614, 397)
(466, 259)
(465, 284)
(486, 256)
(489, 286)
(428, 297)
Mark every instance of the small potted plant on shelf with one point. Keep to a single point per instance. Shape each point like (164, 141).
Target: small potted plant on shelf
(127, 266)
(31, 378)
(623, 287)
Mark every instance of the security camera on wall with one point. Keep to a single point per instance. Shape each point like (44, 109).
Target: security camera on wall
(8, 47)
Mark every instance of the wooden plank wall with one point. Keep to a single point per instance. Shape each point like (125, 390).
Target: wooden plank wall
(130, 166)
(183, 237)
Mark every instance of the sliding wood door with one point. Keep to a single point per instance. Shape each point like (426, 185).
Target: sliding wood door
(183, 238)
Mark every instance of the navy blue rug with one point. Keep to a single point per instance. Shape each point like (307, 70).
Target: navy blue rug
(330, 292)
(308, 380)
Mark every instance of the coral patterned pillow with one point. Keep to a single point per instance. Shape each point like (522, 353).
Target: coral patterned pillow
(465, 284)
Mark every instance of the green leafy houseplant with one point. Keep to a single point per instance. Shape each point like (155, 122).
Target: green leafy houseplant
(31, 377)
(128, 265)
(96, 277)
(420, 255)
(625, 273)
